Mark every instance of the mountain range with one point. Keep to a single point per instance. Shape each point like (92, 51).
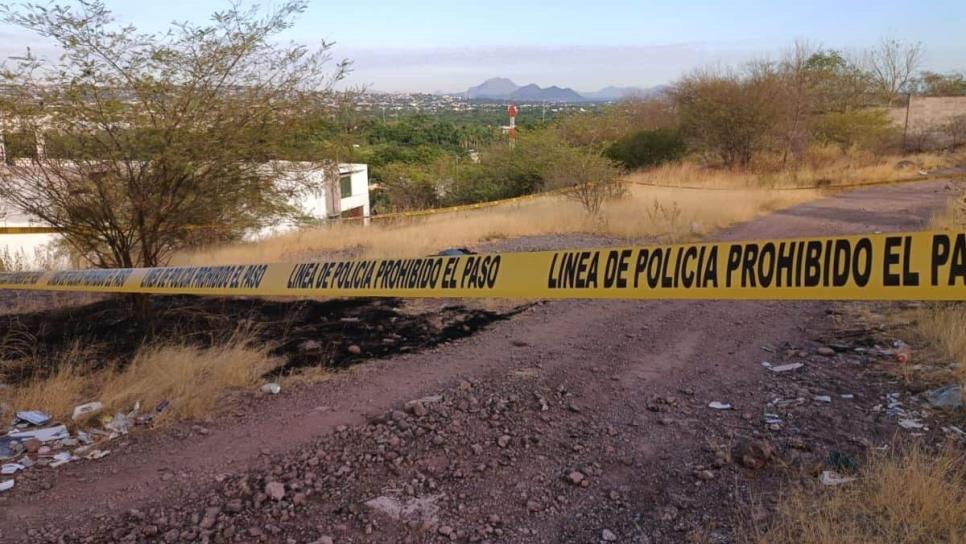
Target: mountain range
(499, 88)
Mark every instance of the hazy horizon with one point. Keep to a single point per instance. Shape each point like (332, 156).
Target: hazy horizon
(443, 46)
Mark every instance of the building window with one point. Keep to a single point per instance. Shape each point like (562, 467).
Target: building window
(345, 185)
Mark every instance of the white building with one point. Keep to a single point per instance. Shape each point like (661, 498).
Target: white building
(26, 249)
(350, 198)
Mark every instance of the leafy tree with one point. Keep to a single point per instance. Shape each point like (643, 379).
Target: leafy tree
(541, 160)
(159, 136)
(409, 187)
(837, 83)
(728, 114)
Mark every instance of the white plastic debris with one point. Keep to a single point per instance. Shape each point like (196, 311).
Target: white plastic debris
(5, 485)
(57, 432)
(11, 468)
(61, 458)
(34, 417)
(785, 368)
(97, 454)
(950, 396)
(719, 405)
(831, 478)
(272, 388)
(847, 396)
(86, 410)
(823, 398)
(909, 423)
(119, 424)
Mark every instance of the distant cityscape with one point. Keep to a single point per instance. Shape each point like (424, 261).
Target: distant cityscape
(493, 95)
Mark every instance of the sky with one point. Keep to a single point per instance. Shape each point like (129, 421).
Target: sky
(436, 45)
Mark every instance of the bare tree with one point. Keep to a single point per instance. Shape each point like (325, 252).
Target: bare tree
(156, 141)
(797, 89)
(892, 65)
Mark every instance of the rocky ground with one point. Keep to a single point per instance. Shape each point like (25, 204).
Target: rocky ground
(572, 421)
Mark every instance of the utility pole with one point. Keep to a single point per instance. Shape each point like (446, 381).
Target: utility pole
(905, 129)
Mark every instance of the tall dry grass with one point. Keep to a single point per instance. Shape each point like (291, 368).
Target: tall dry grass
(911, 498)
(944, 324)
(194, 380)
(671, 214)
(823, 167)
(664, 212)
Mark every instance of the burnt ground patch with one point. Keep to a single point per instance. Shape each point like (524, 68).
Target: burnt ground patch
(334, 333)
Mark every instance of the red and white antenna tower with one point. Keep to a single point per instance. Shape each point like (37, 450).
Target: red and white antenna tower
(511, 130)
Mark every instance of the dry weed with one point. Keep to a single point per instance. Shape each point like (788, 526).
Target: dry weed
(194, 380)
(57, 393)
(915, 498)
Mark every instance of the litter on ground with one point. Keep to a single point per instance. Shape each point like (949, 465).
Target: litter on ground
(908, 423)
(785, 368)
(832, 478)
(49, 434)
(34, 417)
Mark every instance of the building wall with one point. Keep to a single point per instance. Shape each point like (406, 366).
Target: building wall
(360, 189)
(314, 204)
(30, 250)
(928, 115)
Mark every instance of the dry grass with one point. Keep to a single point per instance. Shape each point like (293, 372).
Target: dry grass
(916, 497)
(22, 302)
(193, 380)
(944, 324)
(56, 394)
(824, 167)
(664, 213)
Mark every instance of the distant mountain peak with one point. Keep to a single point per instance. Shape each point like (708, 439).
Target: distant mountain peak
(501, 88)
(495, 88)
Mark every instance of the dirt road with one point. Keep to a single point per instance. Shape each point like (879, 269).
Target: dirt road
(574, 421)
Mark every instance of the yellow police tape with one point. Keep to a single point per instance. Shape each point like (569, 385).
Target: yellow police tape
(904, 266)
(29, 230)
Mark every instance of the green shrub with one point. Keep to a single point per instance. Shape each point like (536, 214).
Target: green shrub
(648, 148)
(865, 128)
